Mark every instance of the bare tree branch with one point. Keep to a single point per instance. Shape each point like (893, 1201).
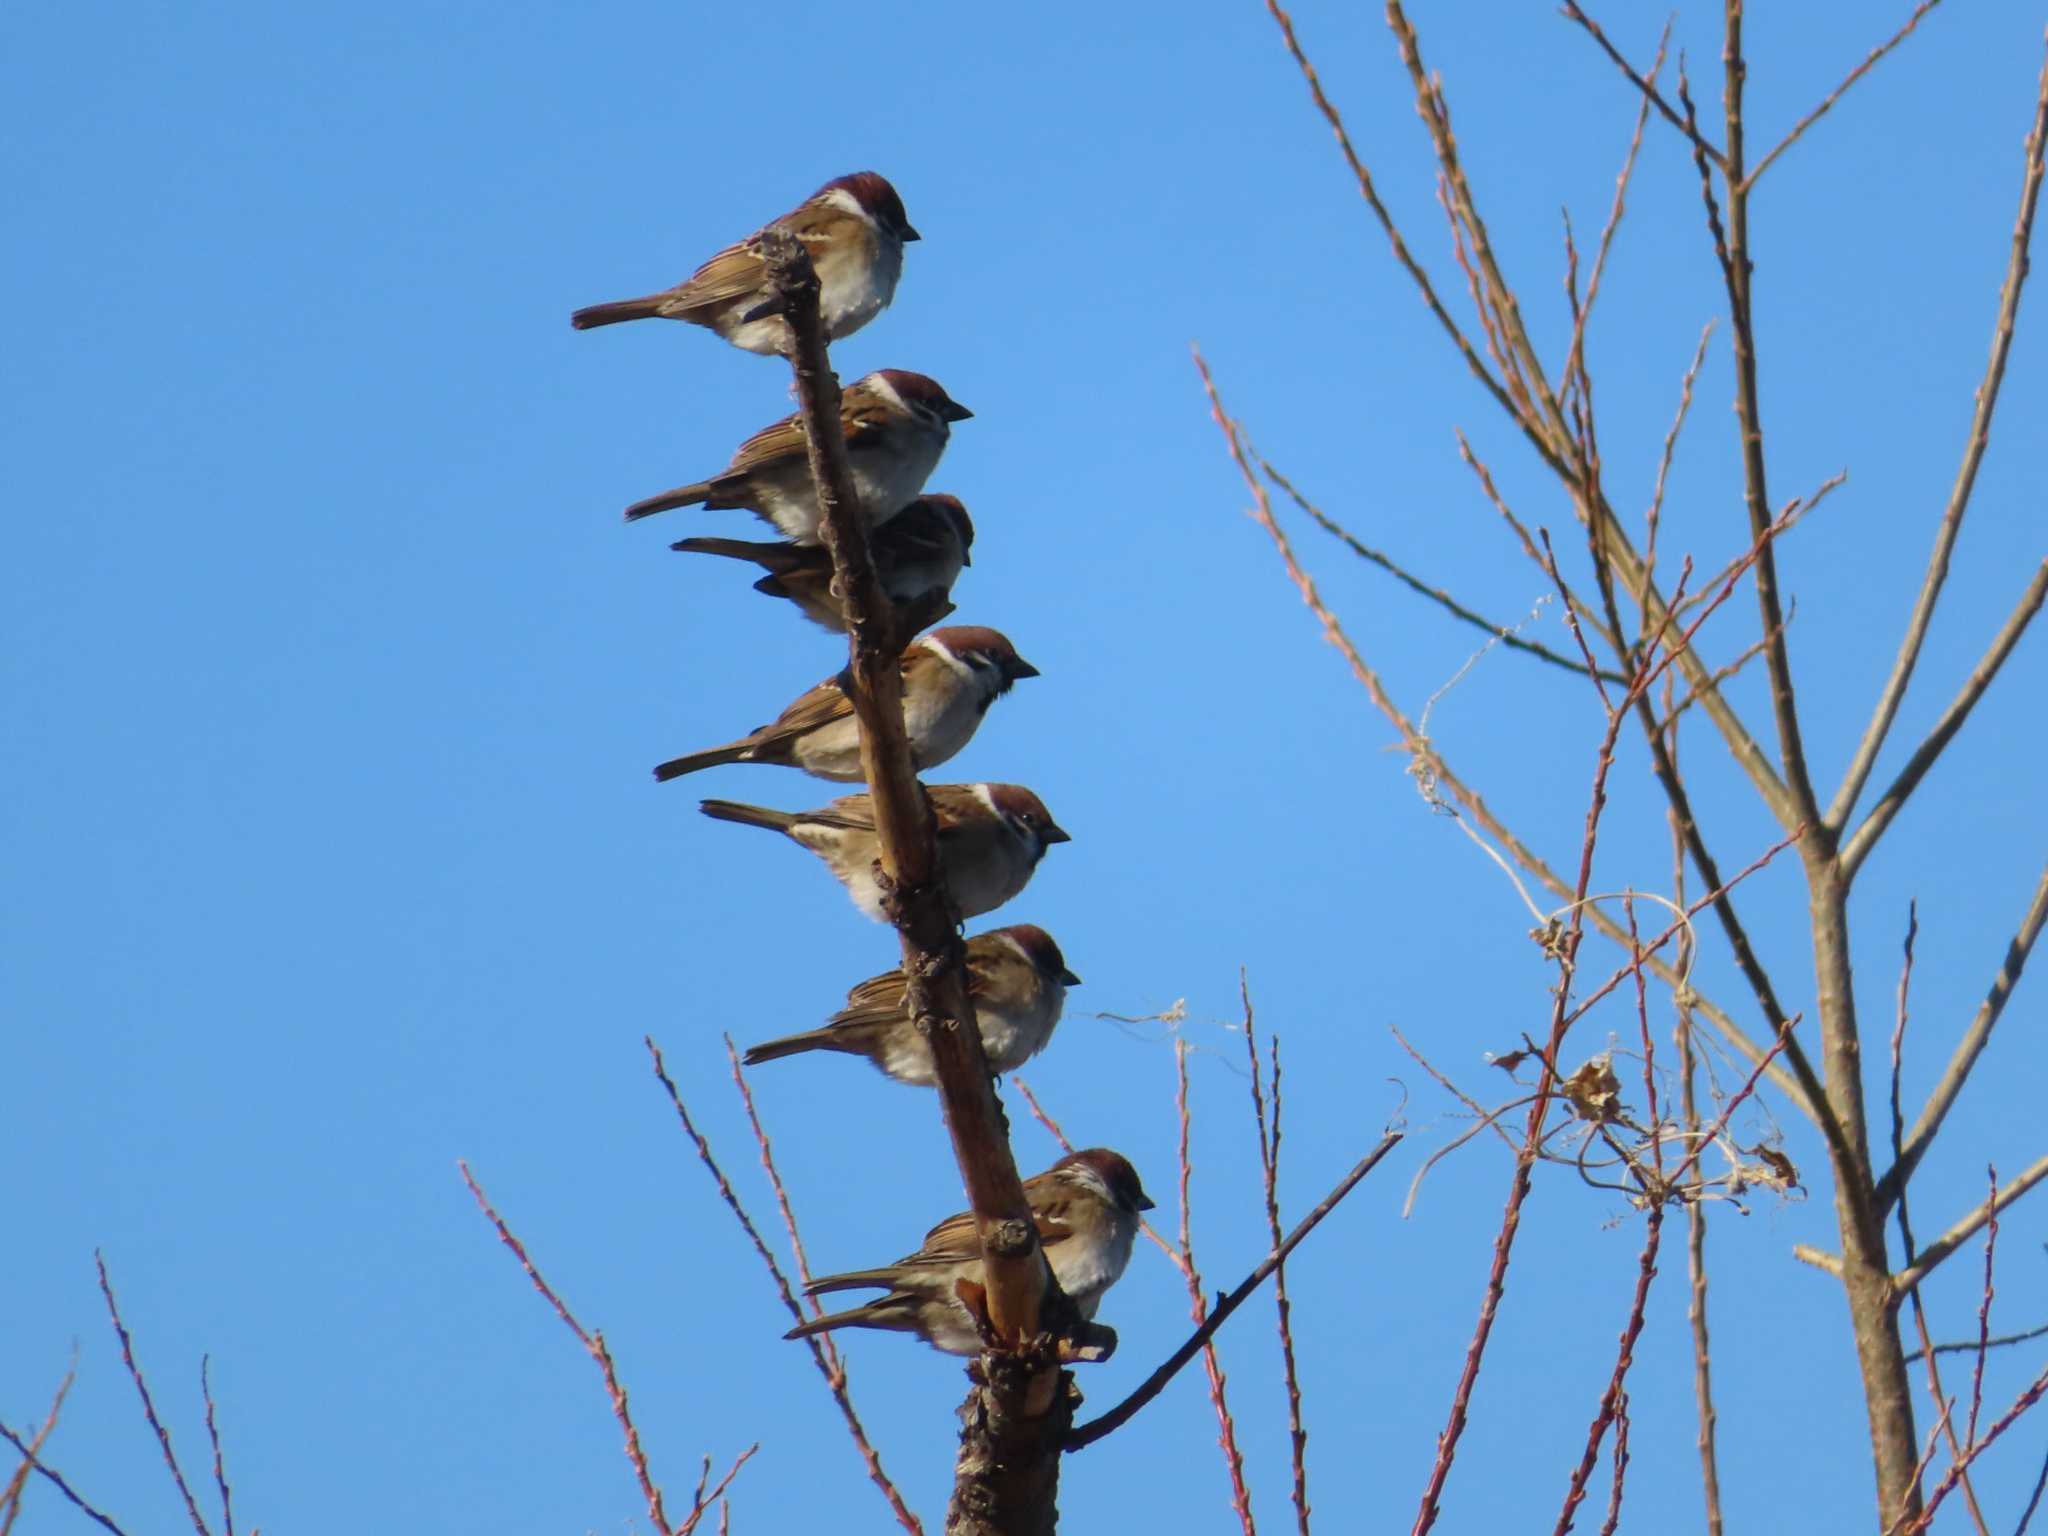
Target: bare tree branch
(934, 955)
(58, 1481)
(11, 1495)
(1501, 632)
(1935, 1252)
(163, 1436)
(1087, 1434)
(1691, 130)
(1827, 104)
(1888, 805)
(1894, 691)
(1968, 1049)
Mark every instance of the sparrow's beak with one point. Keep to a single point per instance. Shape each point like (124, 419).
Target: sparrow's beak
(1146, 1202)
(1055, 833)
(967, 557)
(955, 411)
(1022, 668)
(910, 234)
(1069, 979)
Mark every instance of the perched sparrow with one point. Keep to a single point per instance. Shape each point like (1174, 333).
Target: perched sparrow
(950, 677)
(1016, 978)
(919, 551)
(854, 229)
(991, 837)
(896, 425)
(1086, 1206)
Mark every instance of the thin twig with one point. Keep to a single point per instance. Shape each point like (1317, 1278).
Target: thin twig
(1888, 805)
(58, 1481)
(1836, 94)
(163, 1436)
(1894, 691)
(1970, 1346)
(1087, 1434)
(1431, 760)
(1613, 1520)
(1612, 1398)
(1505, 634)
(11, 1495)
(700, 1506)
(592, 1341)
(1269, 1168)
(1967, 1050)
(1935, 1390)
(220, 1471)
(830, 1365)
(1983, 1311)
(1682, 124)
(1226, 1426)
(2027, 1398)
(1935, 1252)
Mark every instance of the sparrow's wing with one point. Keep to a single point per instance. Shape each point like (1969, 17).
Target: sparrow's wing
(775, 443)
(733, 273)
(955, 1240)
(818, 706)
(849, 813)
(878, 1000)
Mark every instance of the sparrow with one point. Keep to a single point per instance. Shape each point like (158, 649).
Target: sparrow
(896, 425)
(1086, 1206)
(919, 551)
(950, 677)
(854, 230)
(1017, 980)
(991, 837)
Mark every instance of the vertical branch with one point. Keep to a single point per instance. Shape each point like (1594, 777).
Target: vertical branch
(220, 1471)
(828, 1361)
(1269, 1167)
(934, 957)
(1695, 1210)
(1737, 270)
(163, 1436)
(1894, 691)
(11, 1495)
(1198, 1309)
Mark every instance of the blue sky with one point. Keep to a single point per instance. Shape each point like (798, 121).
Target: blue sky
(333, 684)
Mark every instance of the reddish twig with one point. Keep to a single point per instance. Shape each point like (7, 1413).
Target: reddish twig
(1983, 1311)
(163, 1436)
(701, 1504)
(796, 1242)
(1684, 125)
(2030, 1396)
(593, 1342)
(11, 1495)
(58, 1481)
(1269, 1167)
(830, 1364)
(1836, 94)
(1612, 1399)
(1613, 1520)
(1087, 1434)
(220, 1471)
(1198, 1310)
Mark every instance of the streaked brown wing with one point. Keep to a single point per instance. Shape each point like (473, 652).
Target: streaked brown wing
(850, 813)
(818, 706)
(955, 1240)
(780, 440)
(878, 1000)
(733, 273)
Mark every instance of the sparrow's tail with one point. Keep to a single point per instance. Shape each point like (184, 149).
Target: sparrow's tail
(770, 556)
(681, 496)
(611, 314)
(889, 1312)
(749, 815)
(794, 1045)
(710, 757)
